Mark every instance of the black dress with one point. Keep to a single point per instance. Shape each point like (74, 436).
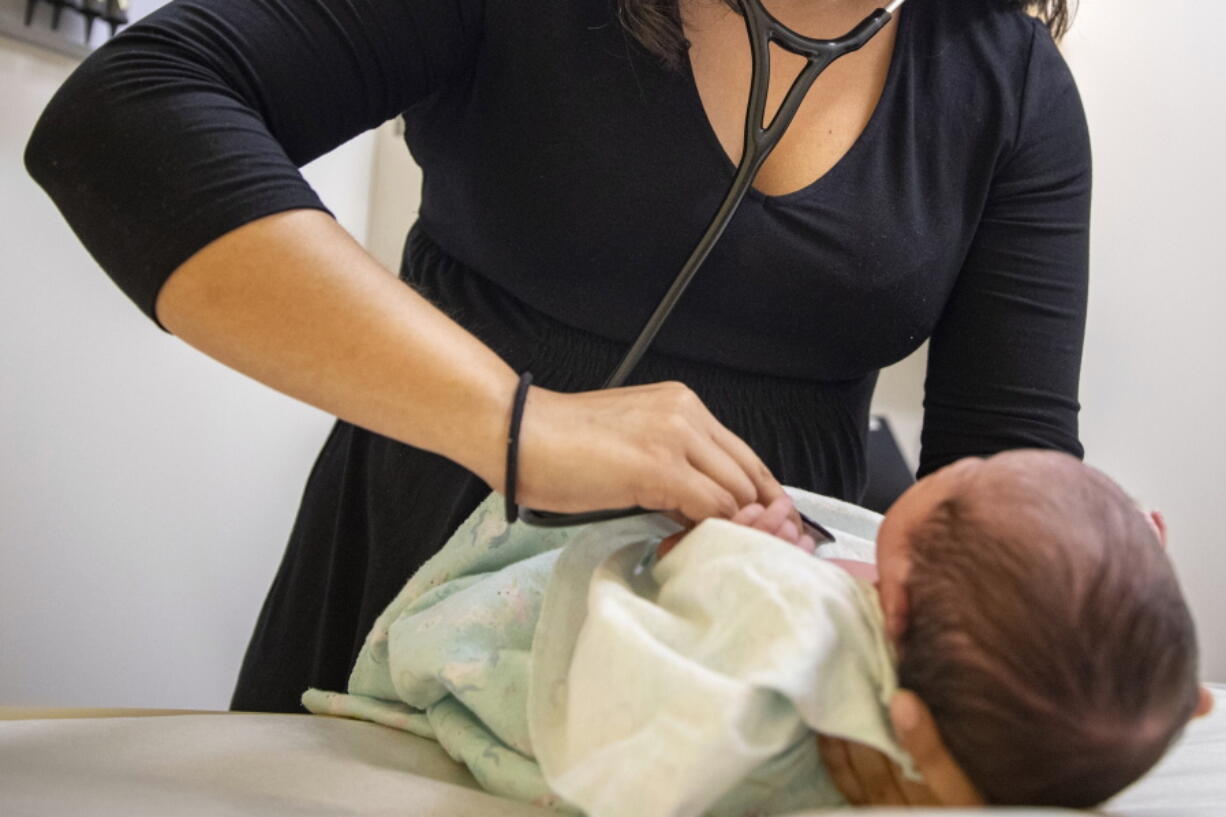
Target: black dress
(567, 175)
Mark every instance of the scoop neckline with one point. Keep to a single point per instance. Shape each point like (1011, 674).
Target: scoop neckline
(728, 168)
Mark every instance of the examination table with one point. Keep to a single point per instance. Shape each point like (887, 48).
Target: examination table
(158, 762)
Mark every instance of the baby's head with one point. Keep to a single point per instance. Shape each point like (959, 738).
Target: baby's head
(1046, 631)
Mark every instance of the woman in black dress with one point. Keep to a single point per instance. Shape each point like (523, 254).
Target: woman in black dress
(935, 185)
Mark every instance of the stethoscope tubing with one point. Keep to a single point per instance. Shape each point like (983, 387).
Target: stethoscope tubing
(759, 141)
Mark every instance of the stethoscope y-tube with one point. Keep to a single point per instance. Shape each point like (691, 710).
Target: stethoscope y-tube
(759, 141)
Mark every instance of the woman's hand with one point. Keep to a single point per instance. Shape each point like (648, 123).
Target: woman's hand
(655, 446)
(868, 778)
(294, 302)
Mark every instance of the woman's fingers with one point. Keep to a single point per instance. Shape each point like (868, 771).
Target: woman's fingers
(720, 455)
(700, 497)
(718, 464)
(768, 488)
(918, 734)
(656, 446)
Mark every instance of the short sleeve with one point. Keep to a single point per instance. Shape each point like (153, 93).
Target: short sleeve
(1005, 356)
(195, 120)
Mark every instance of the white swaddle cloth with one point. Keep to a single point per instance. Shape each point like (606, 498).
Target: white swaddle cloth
(657, 690)
(572, 669)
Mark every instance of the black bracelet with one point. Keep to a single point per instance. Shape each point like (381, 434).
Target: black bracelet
(517, 417)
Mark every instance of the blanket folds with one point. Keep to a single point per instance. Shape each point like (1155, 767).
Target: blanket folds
(571, 669)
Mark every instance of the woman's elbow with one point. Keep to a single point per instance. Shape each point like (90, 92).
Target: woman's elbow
(62, 134)
(44, 150)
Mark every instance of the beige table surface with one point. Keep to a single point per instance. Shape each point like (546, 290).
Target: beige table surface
(29, 713)
(138, 762)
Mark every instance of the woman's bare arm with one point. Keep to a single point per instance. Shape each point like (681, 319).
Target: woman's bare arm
(294, 302)
(187, 192)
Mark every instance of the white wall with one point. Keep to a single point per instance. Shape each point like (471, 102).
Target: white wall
(146, 492)
(395, 193)
(1154, 381)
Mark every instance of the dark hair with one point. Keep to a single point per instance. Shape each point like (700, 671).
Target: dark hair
(656, 24)
(1048, 636)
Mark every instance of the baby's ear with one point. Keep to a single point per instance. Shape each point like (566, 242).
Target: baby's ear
(1158, 522)
(1205, 705)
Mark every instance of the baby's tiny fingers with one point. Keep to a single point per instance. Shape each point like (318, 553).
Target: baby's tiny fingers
(773, 517)
(788, 532)
(748, 515)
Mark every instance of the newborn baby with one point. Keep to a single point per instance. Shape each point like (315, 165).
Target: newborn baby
(1046, 635)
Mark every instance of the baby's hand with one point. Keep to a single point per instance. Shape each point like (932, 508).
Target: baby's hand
(866, 777)
(778, 519)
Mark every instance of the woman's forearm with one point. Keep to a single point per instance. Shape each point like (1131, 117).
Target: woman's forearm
(294, 302)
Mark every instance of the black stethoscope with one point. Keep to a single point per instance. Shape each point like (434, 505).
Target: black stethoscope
(758, 143)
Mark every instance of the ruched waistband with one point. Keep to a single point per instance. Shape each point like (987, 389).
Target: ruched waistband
(810, 433)
(577, 359)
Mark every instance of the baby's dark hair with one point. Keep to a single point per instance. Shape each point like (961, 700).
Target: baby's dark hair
(1047, 634)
